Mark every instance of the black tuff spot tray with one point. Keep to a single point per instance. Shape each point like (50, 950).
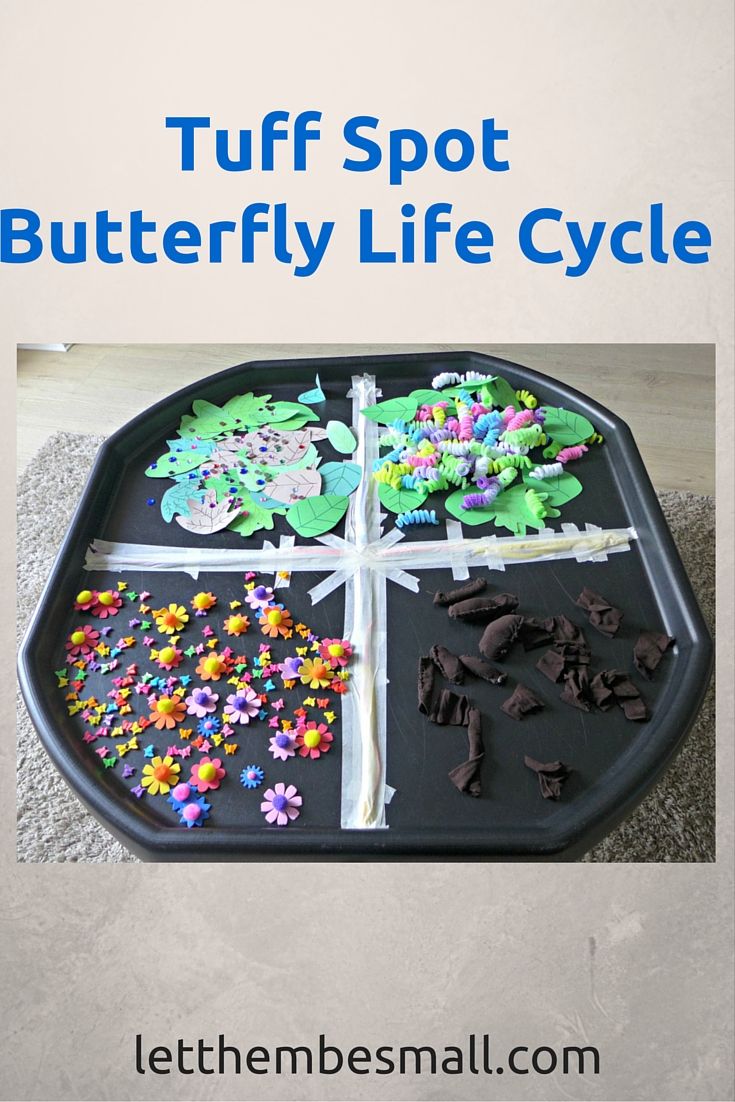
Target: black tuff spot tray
(614, 761)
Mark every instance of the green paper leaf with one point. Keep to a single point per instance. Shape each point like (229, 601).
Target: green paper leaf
(341, 437)
(294, 423)
(392, 410)
(400, 501)
(209, 421)
(502, 393)
(248, 410)
(560, 488)
(257, 517)
(308, 459)
(565, 427)
(340, 478)
(176, 498)
(317, 515)
(283, 411)
(172, 464)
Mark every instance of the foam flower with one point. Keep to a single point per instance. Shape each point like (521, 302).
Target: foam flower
(236, 624)
(315, 673)
(242, 706)
(260, 596)
(291, 668)
(82, 641)
(194, 813)
(202, 702)
(85, 600)
(108, 604)
(313, 739)
(159, 774)
(206, 774)
(168, 658)
(179, 795)
(281, 804)
(337, 652)
(202, 602)
(210, 725)
(252, 776)
(166, 711)
(275, 621)
(211, 667)
(282, 746)
(171, 619)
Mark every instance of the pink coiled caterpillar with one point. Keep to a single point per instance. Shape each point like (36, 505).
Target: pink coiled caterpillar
(525, 417)
(575, 452)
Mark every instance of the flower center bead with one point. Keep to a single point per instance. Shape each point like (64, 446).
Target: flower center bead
(201, 600)
(320, 670)
(181, 792)
(275, 617)
(260, 593)
(78, 637)
(279, 802)
(211, 665)
(192, 812)
(200, 697)
(283, 741)
(336, 650)
(166, 705)
(240, 703)
(170, 620)
(312, 739)
(168, 654)
(84, 597)
(207, 771)
(106, 598)
(160, 772)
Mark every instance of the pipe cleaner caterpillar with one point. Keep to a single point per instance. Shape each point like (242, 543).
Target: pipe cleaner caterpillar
(452, 378)
(525, 417)
(528, 399)
(547, 470)
(535, 504)
(504, 461)
(529, 437)
(575, 452)
(595, 438)
(416, 516)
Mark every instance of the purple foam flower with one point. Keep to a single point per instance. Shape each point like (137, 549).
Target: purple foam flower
(281, 804)
(290, 669)
(259, 597)
(202, 702)
(282, 746)
(242, 706)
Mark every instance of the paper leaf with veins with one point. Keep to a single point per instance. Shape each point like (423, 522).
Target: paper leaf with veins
(271, 446)
(288, 487)
(209, 515)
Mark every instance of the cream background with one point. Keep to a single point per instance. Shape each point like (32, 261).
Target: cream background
(610, 108)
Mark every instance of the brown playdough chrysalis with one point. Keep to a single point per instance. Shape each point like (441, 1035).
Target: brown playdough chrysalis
(521, 703)
(426, 684)
(576, 689)
(536, 633)
(477, 585)
(447, 663)
(602, 615)
(466, 776)
(478, 667)
(499, 636)
(551, 776)
(648, 651)
(482, 609)
(451, 709)
(615, 687)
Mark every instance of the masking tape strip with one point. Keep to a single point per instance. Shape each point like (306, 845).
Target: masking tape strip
(105, 555)
(457, 562)
(285, 543)
(364, 707)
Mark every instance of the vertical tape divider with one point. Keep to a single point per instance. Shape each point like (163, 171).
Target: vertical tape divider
(364, 707)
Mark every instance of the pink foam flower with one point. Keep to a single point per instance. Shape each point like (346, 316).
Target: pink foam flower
(337, 652)
(82, 641)
(281, 804)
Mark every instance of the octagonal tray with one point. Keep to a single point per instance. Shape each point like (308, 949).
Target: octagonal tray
(613, 762)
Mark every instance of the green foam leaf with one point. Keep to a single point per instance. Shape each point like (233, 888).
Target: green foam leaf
(392, 409)
(560, 488)
(565, 427)
(176, 499)
(248, 410)
(316, 515)
(171, 464)
(400, 501)
(502, 393)
(285, 411)
(340, 478)
(341, 437)
(257, 517)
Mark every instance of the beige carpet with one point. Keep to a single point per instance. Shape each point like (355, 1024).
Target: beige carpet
(675, 823)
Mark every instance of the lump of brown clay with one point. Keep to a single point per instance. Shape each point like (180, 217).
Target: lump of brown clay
(499, 636)
(521, 703)
(478, 667)
(477, 585)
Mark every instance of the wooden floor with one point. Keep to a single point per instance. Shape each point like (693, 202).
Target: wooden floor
(664, 392)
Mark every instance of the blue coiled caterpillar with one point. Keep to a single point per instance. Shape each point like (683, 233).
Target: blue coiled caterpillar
(416, 516)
